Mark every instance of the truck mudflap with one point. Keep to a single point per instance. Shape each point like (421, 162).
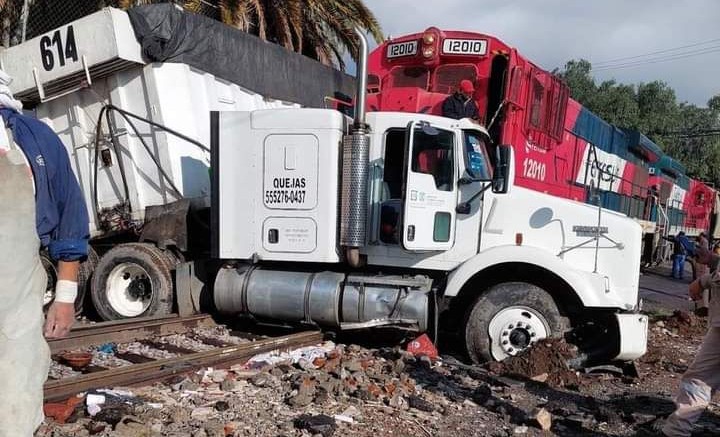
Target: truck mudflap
(633, 335)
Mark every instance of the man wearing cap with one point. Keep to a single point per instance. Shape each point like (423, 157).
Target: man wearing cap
(41, 206)
(461, 104)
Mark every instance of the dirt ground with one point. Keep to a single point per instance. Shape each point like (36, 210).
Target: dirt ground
(385, 391)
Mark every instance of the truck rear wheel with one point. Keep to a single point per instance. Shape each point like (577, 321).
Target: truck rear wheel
(133, 280)
(508, 318)
(87, 268)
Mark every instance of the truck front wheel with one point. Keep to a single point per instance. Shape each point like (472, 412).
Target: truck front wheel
(508, 318)
(133, 280)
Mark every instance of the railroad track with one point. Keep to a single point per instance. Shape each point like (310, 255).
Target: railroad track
(150, 333)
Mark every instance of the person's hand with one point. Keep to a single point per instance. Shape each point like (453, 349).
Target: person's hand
(59, 320)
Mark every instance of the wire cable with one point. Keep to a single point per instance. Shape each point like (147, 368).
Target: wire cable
(643, 62)
(673, 49)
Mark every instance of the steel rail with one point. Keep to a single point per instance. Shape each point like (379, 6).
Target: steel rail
(144, 373)
(125, 331)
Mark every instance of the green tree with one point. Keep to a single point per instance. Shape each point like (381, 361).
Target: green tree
(653, 109)
(617, 104)
(576, 74)
(659, 111)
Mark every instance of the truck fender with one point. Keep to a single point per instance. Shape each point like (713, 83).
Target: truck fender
(590, 288)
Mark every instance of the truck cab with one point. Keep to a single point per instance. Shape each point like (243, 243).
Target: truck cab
(443, 233)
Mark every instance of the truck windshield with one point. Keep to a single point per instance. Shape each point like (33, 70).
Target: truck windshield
(476, 155)
(447, 77)
(409, 77)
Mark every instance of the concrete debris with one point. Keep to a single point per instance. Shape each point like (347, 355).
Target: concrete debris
(420, 404)
(319, 424)
(541, 418)
(335, 389)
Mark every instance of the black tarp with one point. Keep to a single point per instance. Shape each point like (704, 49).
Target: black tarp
(169, 34)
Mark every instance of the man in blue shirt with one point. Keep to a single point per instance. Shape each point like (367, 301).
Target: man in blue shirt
(461, 104)
(681, 249)
(33, 160)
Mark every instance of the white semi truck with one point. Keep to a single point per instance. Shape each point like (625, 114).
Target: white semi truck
(398, 220)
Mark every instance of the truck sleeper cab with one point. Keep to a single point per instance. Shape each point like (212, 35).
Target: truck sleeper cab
(446, 234)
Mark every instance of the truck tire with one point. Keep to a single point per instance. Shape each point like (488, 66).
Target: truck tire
(133, 280)
(87, 268)
(508, 318)
(85, 272)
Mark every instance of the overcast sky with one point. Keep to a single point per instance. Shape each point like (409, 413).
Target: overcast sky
(551, 32)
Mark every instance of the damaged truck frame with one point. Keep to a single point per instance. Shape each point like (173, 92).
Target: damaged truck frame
(398, 220)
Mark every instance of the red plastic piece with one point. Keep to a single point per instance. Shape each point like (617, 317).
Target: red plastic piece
(423, 346)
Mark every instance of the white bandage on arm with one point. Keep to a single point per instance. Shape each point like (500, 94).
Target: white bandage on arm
(66, 291)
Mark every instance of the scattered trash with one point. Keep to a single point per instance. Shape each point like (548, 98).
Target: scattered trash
(61, 411)
(93, 403)
(423, 346)
(107, 348)
(307, 355)
(343, 418)
(77, 360)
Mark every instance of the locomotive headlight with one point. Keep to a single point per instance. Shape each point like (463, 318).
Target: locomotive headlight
(428, 52)
(428, 38)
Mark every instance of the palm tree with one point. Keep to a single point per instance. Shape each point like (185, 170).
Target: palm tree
(10, 21)
(320, 29)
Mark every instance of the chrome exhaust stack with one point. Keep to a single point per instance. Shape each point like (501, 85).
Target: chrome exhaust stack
(356, 155)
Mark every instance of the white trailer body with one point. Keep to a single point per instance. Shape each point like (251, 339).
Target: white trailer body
(70, 74)
(174, 95)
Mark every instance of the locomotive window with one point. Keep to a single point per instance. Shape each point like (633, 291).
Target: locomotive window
(433, 155)
(409, 77)
(373, 84)
(447, 77)
(536, 104)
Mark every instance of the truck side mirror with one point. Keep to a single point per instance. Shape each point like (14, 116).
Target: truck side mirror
(501, 177)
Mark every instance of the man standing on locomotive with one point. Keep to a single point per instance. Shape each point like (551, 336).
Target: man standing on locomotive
(461, 103)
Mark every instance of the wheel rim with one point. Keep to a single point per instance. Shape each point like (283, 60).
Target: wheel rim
(129, 289)
(514, 329)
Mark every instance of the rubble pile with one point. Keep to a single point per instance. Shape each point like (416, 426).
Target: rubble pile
(338, 390)
(546, 362)
(683, 323)
(324, 390)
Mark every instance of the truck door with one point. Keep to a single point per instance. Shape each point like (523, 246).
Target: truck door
(430, 195)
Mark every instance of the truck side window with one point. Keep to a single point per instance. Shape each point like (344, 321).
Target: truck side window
(433, 155)
(476, 156)
(391, 195)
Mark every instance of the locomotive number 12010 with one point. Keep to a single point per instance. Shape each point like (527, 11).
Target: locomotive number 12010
(533, 169)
